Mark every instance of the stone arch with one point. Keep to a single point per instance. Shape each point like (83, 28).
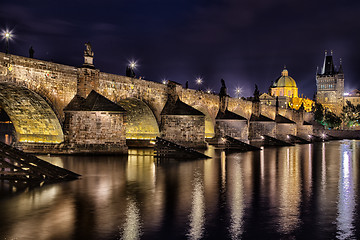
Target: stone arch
(32, 117)
(141, 121)
(209, 121)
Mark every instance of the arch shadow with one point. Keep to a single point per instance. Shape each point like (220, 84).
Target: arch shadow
(33, 118)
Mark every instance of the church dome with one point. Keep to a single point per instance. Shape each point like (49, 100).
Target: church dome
(285, 80)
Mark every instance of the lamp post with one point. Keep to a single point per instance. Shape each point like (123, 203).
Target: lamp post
(199, 81)
(7, 36)
(238, 91)
(130, 69)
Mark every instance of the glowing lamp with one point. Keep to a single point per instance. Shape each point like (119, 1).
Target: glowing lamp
(132, 64)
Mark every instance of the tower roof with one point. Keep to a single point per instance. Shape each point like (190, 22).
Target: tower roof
(284, 80)
(328, 66)
(93, 102)
(229, 116)
(179, 108)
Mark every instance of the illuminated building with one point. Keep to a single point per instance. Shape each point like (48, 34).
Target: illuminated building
(286, 90)
(284, 86)
(330, 85)
(353, 97)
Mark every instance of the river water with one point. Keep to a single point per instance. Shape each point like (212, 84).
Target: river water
(302, 192)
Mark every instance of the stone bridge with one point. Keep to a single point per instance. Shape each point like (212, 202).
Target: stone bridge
(34, 93)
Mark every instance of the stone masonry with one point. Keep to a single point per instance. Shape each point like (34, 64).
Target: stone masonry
(57, 84)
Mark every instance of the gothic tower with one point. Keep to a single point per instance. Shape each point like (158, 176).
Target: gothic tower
(330, 85)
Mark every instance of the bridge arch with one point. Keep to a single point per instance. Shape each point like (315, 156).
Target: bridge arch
(209, 121)
(141, 121)
(32, 117)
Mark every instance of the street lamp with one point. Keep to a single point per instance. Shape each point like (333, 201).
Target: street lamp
(238, 91)
(7, 35)
(132, 64)
(199, 81)
(130, 69)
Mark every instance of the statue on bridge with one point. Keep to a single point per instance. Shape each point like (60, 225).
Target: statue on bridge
(88, 50)
(223, 97)
(31, 52)
(130, 72)
(256, 94)
(223, 91)
(88, 55)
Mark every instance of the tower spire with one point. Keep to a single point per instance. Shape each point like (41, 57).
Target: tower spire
(341, 71)
(328, 67)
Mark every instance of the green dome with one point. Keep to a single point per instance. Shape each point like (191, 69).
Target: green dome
(285, 80)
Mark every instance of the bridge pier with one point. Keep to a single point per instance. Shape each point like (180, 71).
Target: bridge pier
(94, 125)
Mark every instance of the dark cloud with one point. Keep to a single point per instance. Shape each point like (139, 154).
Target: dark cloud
(244, 42)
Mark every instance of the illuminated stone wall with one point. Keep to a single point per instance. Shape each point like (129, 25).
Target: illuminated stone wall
(58, 83)
(237, 129)
(116, 88)
(283, 129)
(258, 128)
(95, 131)
(54, 82)
(187, 130)
(304, 131)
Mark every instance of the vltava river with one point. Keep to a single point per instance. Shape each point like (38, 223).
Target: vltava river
(301, 192)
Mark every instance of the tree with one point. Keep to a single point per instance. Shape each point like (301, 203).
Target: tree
(331, 120)
(319, 113)
(326, 117)
(351, 114)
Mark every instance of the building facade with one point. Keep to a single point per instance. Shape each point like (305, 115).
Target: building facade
(353, 97)
(330, 85)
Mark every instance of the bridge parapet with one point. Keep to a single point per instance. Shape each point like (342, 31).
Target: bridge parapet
(56, 83)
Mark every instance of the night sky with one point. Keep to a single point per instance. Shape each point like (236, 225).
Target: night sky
(243, 42)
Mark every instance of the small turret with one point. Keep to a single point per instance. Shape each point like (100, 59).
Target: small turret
(341, 71)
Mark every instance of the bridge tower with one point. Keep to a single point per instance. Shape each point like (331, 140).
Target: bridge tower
(330, 85)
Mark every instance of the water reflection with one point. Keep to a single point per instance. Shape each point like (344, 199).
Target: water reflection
(301, 192)
(323, 168)
(346, 202)
(289, 189)
(223, 171)
(236, 199)
(132, 226)
(42, 207)
(197, 215)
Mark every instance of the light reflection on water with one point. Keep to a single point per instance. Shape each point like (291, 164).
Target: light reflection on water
(132, 226)
(346, 202)
(236, 199)
(300, 192)
(197, 215)
(289, 190)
